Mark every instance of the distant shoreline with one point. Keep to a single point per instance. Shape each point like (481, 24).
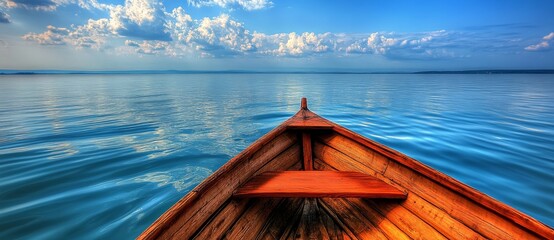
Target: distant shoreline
(69, 72)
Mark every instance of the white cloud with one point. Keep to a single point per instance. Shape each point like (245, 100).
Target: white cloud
(544, 45)
(144, 27)
(139, 18)
(303, 44)
(179, 25)
(538, 47)
(142, 19)
(423, 45)
(91, 35)
(379, 43)
(220, 36)
(93, 4)
(550, 36)
(356, 47)
(147, 21)
(245, 4)
(53, 36)
(149, 47)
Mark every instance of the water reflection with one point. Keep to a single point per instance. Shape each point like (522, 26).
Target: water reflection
(62, 150)
(181, 178)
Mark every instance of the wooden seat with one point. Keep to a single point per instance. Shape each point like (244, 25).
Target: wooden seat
(304, 184)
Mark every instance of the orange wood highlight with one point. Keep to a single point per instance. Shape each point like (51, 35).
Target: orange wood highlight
(307, 151)
(308, 123)
(317, 184)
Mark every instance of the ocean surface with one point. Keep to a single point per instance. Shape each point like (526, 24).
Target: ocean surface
(102, 156)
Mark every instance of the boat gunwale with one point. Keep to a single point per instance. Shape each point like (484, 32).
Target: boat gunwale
(511, 214)
(163, 222)
(502, 209)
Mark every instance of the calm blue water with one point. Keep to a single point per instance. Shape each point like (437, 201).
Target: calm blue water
(102, 156)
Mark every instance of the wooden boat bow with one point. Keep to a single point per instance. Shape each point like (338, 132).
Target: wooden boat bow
(290, 184)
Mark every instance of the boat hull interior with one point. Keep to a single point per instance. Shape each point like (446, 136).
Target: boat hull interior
(436, 206)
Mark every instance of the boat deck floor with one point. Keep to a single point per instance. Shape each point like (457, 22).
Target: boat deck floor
(303, 218)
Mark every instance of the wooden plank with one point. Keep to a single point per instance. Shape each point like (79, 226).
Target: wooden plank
(406, 221)
(307, 151)
(310, 227)
(383, 223)
(353, 220)
(290, 231)
(341, 161)
(308, 124)
(287, 213)
(213, 196)
(347, 232)
(252, 221)
(223, 220)
(317, 184)
(438, 219)
(334, 231)
(354, 150)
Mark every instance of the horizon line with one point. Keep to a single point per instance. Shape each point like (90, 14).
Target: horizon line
(92, 72)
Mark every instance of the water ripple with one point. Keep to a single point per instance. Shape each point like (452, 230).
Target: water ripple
(101, 156)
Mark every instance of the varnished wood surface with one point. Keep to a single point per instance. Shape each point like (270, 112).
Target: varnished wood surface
(317, 184)
(307, 151)
(307, 120)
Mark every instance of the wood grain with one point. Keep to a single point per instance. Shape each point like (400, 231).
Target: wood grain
(223, 220)
(438, 219)
(282, 219)
(354, 151)
(307, 151)
(307, 120)
(317, 184)
(334, 231)
(252, 221)
(354, 220)
(406, 221)
(310, 226)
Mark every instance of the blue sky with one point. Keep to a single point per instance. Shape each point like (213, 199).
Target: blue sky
(371, 35)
